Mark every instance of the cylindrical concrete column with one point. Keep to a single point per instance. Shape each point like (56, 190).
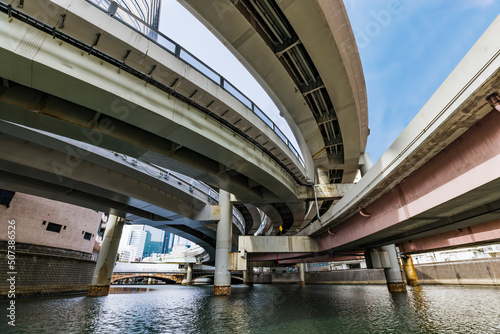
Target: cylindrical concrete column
(409, 268)
(107, 256)
(222, 276)
(302, 279)
(393, 275)
(188, 280)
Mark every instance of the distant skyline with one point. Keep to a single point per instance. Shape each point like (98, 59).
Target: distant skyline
(407, 49)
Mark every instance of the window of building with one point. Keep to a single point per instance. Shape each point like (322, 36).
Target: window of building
(54, 227)
(87, 236)
(6, 197)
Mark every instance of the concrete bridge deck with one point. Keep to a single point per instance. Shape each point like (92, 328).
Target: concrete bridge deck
(304, 55)
(131, 114)
(440, 175)
(88, 176)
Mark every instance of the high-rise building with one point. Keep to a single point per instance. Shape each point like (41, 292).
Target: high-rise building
(127, 254)
(135, 13)
(147, 10)
(168, 243)
(138, 239)
(141, 241)
(155, 239)
(132, 243)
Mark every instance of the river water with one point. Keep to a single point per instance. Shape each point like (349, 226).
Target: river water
(264, 309)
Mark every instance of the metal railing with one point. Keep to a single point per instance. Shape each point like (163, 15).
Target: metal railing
(143, 28)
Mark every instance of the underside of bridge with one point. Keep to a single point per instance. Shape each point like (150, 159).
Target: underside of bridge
(304, 54)
(117, 119)
(440, 176)
(437, 185)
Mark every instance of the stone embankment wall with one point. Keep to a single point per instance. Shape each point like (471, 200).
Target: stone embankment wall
(46, 246)
(42, 270)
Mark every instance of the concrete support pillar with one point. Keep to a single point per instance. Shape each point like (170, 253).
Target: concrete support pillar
(107, 256)
(249, 274)
(393, 275)
(188, 280)
(222, 276)
(409, 268)
(323, 176)
(302, 279)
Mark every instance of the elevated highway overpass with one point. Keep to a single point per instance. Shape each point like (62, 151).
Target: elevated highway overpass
(51, 166)
(441, 173)
(148, 103)
(437, 186)
(78, 73)
(304, 55)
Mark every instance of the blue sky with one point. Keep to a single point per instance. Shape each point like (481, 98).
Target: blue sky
(407, 49)
(408, 55)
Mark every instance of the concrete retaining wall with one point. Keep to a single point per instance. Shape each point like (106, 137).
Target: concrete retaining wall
(263, 278)
(285, 278)
(46, 271)
(352, 276)
(483, 271)
(473, 272)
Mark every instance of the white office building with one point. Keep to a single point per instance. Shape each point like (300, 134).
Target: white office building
(127, 254)
(138, 239)
(132, 243)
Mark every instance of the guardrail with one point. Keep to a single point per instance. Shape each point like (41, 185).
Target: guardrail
(146, 30)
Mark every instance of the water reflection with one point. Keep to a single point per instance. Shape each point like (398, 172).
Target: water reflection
(129, 289)
(420, 305)
(265, 309)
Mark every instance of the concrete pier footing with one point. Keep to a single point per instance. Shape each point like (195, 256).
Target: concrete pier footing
(220, 290)
(98, 291)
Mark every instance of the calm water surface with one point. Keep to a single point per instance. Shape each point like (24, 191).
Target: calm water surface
(264, 309)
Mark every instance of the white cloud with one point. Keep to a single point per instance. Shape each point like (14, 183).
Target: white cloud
(482, 4)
